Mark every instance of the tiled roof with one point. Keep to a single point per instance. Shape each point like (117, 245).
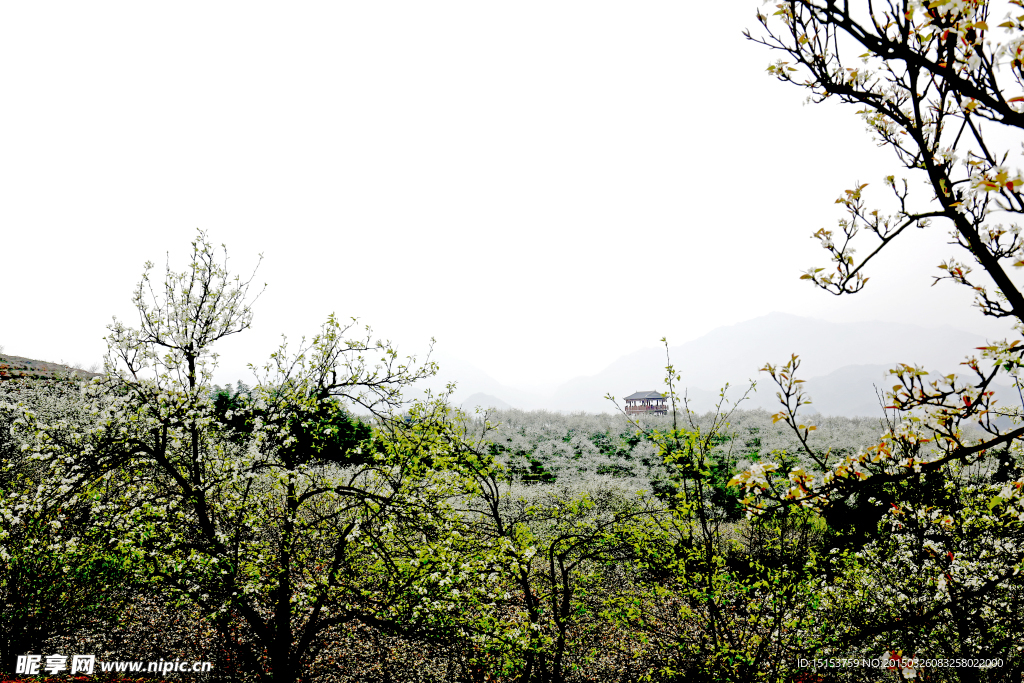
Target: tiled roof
(16, 367)
(644, 394)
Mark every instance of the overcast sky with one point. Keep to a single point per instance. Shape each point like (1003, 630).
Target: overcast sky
(542, 186)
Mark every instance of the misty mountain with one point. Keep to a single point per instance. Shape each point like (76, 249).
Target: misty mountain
(484, 401)
(843, 363)
(472, 381)
(735, 354)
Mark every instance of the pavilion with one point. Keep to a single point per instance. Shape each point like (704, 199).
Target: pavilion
(647, 403)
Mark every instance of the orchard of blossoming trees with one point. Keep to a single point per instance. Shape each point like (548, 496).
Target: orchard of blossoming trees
(322, 526)
(150, 515)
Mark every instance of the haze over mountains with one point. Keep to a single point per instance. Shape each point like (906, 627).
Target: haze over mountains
(842, 363)
(845, 365)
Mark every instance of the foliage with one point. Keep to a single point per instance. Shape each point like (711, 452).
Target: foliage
(562, 556)
(578, 448)
(287, 526)
(327, 434)
(273, 527)
(719, 600)
(57, 570)
(935, 568)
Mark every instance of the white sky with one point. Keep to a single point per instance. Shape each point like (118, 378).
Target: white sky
(542, 186)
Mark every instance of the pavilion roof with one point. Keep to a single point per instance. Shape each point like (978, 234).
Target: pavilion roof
(640, 395)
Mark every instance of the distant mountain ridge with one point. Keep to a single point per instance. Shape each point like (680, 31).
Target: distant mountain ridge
(845, 364)
(736, 353)
(485, 401)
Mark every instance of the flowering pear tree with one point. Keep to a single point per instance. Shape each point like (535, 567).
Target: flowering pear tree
(940, 83)
(944, 90)
(253, 516)
(716, 599)
(561, 556)
(57, 570)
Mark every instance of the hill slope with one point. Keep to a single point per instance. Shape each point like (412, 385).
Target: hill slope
(16, 367)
